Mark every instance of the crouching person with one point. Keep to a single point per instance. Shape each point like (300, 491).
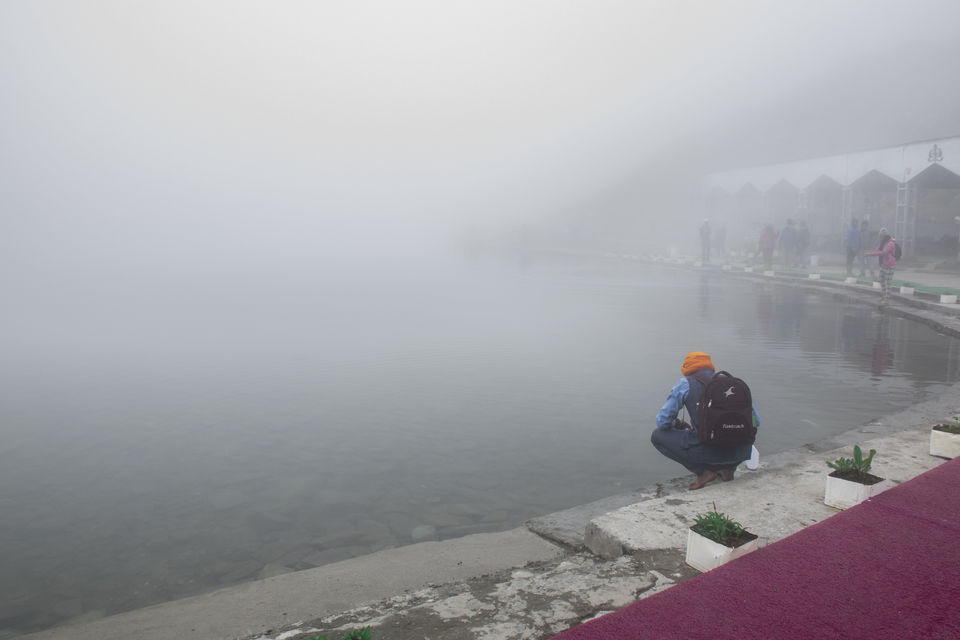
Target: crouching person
(681, 442)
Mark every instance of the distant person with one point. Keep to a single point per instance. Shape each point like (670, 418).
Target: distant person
(705, 241)
(887, 250)
(867, 239)
(721, 236)
(766, 244)
(852, 243)
(679, 441)
(788, 243)
(803, 243)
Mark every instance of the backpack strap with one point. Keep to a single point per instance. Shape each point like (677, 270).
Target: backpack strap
(691, 403)
(703, 378)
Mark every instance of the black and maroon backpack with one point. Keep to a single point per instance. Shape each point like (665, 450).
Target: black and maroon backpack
(725, 412)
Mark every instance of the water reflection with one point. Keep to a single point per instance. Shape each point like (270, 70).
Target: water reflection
(703, 295)
(765, 303)
(882, 351)
(863, 338)
(852, 329)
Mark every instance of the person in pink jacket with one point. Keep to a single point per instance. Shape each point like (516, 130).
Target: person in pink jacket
(888, 261)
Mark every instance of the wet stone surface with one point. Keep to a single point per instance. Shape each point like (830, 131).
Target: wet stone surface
(537, 601)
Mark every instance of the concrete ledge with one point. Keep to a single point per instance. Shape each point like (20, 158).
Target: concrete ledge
(255, 607)
(772, 505)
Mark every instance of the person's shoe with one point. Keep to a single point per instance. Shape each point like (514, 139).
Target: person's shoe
(703, 480)
(726, 474)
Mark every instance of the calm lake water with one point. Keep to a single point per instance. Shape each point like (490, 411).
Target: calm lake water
(187, 440)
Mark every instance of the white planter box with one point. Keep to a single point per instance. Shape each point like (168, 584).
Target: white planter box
(876, 285)
(698, 264)
(944, 444)
(769, 273)
(748, 269)
(843, 494)
(948, 299)
(850, 280)
(703, 554)
(726, 267)
(814, 276)
(906, 291)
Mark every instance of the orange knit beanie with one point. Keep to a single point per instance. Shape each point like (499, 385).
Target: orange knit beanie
(695, 361)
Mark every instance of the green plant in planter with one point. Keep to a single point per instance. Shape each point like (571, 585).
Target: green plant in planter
(856, 468)
(949, 427)
(718, 527)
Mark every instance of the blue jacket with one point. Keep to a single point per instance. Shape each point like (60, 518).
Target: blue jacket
(853, 238)
(788, 237)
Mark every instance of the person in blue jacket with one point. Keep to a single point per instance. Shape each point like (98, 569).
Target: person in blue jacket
(788, 244)
(678, 440)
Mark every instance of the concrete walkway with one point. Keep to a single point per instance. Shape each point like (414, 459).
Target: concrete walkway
(561, 569)
(920, 282)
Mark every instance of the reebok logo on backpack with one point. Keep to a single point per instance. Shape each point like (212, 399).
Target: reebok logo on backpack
(725, 412)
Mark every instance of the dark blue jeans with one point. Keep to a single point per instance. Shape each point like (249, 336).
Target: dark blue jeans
(684, 447)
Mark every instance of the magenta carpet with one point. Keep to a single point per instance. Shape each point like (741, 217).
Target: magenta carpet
(885, 569)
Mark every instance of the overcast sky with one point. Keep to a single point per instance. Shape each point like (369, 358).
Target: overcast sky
(149, 130)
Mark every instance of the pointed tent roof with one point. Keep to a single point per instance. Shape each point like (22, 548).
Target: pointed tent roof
(901, 164)
(936, 176)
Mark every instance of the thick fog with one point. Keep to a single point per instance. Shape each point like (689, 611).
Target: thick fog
(181, 137)
(260, 282)
(155, 152)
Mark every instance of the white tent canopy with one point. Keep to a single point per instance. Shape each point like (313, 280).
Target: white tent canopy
(900, 163)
